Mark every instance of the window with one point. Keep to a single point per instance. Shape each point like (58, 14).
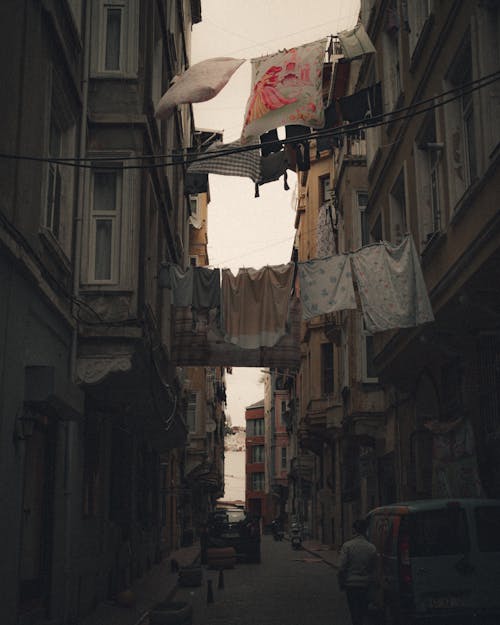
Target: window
(255, 427)
(368, 355)
(60, 142)
(418, 14)
(257, 481)
(428, 163)
(115, 37)
(460, 127)
(439, 533)
(489, 385)
(283, 410)
(193, 206)
(258, 453)
(362, 202)
(283, 457)
(324, 195)
(105, 225)
(327, 381)
(397, 203)
(192, 406)
(487, 524)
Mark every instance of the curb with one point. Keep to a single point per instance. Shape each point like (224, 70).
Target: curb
(317, 554)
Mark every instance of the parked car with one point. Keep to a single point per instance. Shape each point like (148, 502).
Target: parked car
(439, 561)
(232, 527)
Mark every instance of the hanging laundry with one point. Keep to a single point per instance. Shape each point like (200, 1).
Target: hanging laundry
(391, 286)
(199, 83)
(245, 164)
(206, 288)
(301, 146)
(272, 167)
(255, 305)
(181, 283)
(196, 183)
(332, 120)
(325, 232)
(326, 286)
(269, 143)
(286, 89)
(363, 104)
(197, 287)
(355, 42)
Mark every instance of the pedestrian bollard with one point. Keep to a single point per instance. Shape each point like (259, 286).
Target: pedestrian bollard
(221, 579)
(210, 592)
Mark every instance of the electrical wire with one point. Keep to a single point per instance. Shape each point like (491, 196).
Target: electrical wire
(105, 162)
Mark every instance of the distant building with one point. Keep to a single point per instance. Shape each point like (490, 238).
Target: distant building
(255, 496)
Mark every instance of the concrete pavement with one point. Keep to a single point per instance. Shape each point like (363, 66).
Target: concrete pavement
(325, 552)
(158, 584)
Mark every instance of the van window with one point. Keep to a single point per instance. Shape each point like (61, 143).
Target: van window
(488, 528)
(439, 533)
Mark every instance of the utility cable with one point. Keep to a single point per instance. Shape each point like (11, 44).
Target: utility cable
(370, 122)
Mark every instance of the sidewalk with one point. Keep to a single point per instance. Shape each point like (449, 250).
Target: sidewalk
(325, 552)
(158, 584)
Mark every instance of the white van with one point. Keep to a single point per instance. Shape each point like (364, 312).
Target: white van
(439, 561)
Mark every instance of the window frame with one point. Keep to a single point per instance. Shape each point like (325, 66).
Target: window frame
(365, 378)
(398, 206)
(257, 458)
(129, 38)
(258, 485)
(192, 405)
(364, 230)
(57, 210)
(113, 215)
(327, 369)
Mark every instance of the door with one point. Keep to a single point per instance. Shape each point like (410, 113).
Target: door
(36, 534)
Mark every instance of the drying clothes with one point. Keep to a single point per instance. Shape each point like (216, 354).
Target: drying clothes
(206, 288)
(325, 235)
(199, 83)
(300, 147)
(326, 286)
(391, 286)
(272, 167)
(196, 183)
(362, 104)
(255, 305)
(286, 89)
(355, 42)
(269, 143)
(245, 164)
(197, 287)
(181, 283)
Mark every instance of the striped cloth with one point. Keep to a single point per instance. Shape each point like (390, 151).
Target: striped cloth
(245, 164)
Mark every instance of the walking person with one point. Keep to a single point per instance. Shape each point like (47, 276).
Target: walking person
(357, 564)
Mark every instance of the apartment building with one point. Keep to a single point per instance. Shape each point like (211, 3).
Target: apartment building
(93, 410)
(434, 172)
(255, 474)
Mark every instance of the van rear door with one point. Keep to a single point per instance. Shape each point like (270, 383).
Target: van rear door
(441, 565)
(487, 557)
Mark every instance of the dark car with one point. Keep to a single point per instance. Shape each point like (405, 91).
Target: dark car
(232, 527)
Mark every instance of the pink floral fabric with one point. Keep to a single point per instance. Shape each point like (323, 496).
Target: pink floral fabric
(286, 89)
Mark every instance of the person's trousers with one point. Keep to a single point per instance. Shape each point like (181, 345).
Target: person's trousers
(357, 600)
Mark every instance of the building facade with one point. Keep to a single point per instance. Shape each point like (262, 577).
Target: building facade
(255, 462)
(96, 479)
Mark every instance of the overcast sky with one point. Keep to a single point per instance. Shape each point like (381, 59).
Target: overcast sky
(244, 231)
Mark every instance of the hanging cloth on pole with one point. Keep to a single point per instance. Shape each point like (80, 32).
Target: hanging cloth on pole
(255, 305)
(326, 286)
(391, 286)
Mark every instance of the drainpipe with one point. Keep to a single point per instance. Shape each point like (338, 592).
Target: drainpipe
(70, 426)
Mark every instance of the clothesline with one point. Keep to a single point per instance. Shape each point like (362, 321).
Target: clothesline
(389, 278)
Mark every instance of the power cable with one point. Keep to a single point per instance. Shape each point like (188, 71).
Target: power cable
(371, 122)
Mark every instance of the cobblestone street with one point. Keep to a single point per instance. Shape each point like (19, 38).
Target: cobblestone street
(287, 588)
